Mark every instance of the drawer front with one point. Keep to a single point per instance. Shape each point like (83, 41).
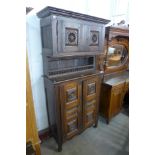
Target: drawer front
(71, 109)
(90, 101)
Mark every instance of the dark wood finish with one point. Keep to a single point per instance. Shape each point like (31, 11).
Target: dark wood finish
(44, 134)
(65, 32)
(73, 105)
(112, 94)
(71, 43)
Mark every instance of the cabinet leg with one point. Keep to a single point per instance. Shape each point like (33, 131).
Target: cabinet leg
(60, 148)
(59, 142)
(95, 125)
(107, 121)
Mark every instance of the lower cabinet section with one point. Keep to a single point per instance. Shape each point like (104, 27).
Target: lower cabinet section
(76, 105)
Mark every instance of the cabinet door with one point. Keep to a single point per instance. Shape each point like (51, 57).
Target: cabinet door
(70, 34)
(90, 101)
(116, 99)
(70, 97)
(95, 40)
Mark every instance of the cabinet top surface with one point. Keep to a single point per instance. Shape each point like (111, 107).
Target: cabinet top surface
(60, 12)
(116, 78)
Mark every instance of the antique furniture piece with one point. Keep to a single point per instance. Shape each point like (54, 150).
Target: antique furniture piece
(70, 43)
(32, 138)
(115, 81)
(113, 91)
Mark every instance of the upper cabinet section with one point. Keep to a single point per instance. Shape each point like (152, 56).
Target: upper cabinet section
(64, 32)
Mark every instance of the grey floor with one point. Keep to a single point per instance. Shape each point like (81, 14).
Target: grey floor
(112, 139)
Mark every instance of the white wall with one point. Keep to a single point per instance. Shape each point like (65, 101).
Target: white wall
(36, 70)
(100, 8)
(119, 11)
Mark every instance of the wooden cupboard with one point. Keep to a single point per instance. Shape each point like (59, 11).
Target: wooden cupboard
(70, 44)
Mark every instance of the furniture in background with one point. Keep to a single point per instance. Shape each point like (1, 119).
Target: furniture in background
(32, 139)
(113, 91)
(116, 49)
(116, 72)
(71, 43)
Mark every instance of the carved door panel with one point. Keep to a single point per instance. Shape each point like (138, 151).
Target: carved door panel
(116, 100)
(69, 35)
(71, 108)
(95, 39)
(90, 101)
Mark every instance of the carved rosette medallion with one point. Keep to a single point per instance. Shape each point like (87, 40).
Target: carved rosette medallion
(71, 37)
(94, 38)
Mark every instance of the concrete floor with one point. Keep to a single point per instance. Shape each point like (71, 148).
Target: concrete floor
(112, 139)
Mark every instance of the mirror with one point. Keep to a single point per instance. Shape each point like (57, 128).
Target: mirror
(116, 55)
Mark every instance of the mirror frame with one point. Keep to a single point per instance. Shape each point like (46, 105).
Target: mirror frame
(119, 40)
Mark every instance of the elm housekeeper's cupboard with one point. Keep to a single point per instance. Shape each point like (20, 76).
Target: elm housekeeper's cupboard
(70, 45)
